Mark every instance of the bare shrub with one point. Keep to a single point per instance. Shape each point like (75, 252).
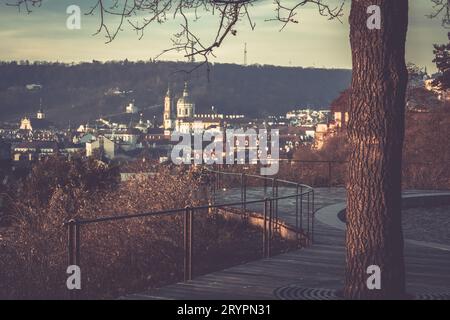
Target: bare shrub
(116, 257)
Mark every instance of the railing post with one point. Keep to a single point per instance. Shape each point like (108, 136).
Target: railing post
(70, 242)
(188, 228)
(270, 231)
(191, 243)
(296, 213)
(276, 202)
(329, 174)
(265, 186)
(243, 193)
(301, 208)
(77, 244)
(185, 244)
(215, 191)
(218, 179)
(244, 177)
(213, 186)
(275, 196)
(70, 247)
(265, 212)
(312, 221)
(308, 212)
(73, 243)
(273, 187)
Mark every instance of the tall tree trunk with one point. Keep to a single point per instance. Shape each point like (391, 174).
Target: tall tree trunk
(376, 133)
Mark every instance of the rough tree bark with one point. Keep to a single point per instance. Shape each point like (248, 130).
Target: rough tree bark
(376, 133)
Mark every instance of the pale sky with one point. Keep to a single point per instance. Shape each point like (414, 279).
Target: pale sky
(313, 42)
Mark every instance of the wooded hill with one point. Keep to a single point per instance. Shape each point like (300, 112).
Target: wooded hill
(83, 92)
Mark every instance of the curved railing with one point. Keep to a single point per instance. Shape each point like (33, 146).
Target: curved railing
(303, 195)
(304, 210)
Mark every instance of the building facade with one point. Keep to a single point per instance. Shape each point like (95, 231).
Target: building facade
(185, 119)
(168, 116)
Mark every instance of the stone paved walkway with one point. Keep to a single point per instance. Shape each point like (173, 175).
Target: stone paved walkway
(431, 225)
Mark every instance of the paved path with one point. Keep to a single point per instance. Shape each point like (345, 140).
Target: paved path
(302, 273)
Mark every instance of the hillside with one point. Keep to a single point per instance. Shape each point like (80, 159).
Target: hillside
(79, 92)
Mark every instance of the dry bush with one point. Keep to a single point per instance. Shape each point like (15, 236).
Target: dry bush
(36, 246)
(117, 257)
(433, 176)
(427, 150)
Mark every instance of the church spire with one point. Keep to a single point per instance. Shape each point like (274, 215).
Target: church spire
(185, 92)
(40, 114)
(168, 110)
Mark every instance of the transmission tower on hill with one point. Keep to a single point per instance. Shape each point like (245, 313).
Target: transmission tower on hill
(245, 54)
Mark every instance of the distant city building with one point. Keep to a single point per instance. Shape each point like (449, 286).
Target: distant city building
(339, 108)
(104, 146)
(84, 138)
(127, 136)
(40, 114)
(113, 143)
(143, 126)
(131, 108)
(168, 116)
(33, 87)
(320, 135)
(117, 92)
(186, 120)
(307, 117)
(38, 123)
(34, 150)
(185, 105)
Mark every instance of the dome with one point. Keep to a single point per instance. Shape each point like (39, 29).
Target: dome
(185, 105)
(186, 98)
(185, 101)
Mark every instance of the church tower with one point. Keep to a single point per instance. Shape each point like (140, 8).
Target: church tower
(185, 105)
(40, 114)
(168, 111)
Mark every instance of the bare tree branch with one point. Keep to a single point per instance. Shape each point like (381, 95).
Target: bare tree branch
(287, 14)
(26, 4)
(140, 14)
(441, 8)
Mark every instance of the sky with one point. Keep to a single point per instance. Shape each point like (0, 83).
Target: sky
(314, 42)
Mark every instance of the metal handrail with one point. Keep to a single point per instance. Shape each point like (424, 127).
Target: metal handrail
(123, 217)
(270, 216)
(179, 210)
